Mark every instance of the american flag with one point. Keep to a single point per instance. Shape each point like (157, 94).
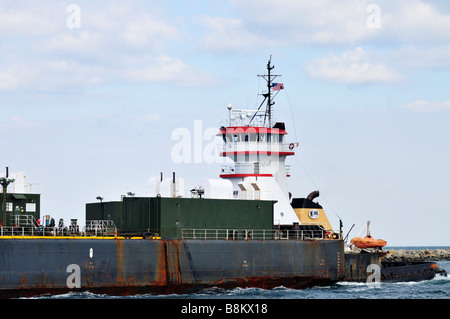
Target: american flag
(277, 86)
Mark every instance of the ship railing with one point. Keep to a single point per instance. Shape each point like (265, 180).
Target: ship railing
(231, 234)
(58, 232)
(245, 168)
(37, 231)
(25, 220)
(100, 228)
(258, 234)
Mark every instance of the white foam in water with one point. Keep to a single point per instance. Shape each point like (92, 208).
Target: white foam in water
(441, 278)
(436, 288)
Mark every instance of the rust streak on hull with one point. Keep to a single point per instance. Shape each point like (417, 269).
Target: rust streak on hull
(123, 267)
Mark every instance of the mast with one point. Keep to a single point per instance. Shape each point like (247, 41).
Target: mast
(4, 182)
(269, 91)
(268, 95)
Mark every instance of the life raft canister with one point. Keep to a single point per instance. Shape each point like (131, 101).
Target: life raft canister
(368, 242)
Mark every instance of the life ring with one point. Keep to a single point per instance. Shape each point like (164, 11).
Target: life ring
(291, 146)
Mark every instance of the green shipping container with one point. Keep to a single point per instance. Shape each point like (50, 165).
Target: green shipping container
(169, 217)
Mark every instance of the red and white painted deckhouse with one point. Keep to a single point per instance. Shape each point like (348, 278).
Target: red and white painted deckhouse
(259, 153)
(257, 148)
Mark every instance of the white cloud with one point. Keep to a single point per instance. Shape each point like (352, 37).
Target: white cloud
(421, 57)
(167, 69)
(414, 21)
(82, 41)
(426, 106)
(121, 41)
(307, 22)
(48, 74)
(146, 30)
(31, 19)
(228, 34)
(292, 23)
(116, 41)
(352, 67)
(8, 80)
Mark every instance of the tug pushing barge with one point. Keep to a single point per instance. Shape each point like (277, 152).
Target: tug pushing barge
(242, 230)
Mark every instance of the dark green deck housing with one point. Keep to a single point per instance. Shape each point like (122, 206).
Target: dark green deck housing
(168, 216)
(20, 205)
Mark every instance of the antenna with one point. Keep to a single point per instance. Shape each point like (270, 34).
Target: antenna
(268, 95)
(269, 90)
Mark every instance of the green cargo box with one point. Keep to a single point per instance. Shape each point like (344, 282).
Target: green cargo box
(167, 217)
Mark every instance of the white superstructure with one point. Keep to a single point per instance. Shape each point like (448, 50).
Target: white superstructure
(258, 148)
(259, 171)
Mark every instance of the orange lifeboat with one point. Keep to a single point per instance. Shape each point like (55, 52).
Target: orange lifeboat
(368, 242)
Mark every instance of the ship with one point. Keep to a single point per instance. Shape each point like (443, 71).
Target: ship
(243, 229)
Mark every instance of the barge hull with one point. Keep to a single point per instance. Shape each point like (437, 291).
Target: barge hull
(121, 267)
(364, 267)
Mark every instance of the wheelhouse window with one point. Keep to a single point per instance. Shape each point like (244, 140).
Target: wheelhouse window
(261, 137)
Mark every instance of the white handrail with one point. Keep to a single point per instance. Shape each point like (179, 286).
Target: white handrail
(258, 234)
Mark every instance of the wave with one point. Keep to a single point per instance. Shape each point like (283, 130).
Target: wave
(438, 287)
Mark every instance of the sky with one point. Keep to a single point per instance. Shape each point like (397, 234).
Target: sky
(93, 93)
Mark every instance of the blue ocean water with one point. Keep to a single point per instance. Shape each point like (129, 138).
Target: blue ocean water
(368, 299)
(436, 288)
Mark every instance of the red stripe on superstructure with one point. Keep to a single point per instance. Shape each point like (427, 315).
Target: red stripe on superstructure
(251, 129)
(245, 175)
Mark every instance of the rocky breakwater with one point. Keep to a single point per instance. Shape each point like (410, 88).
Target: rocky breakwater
(410, 255)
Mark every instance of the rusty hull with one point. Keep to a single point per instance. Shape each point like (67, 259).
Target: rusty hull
(31, 267)
(357, 269)
(356, 266)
